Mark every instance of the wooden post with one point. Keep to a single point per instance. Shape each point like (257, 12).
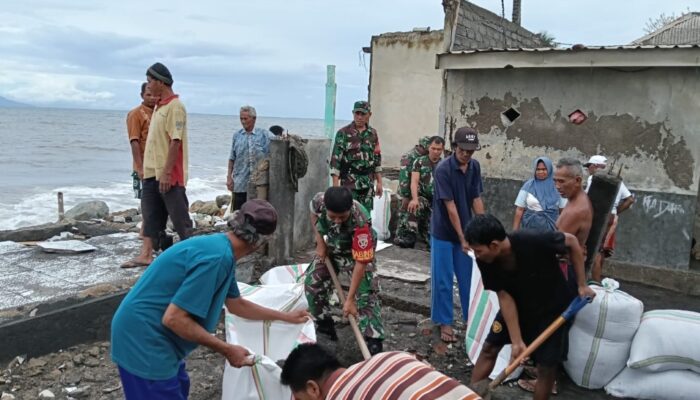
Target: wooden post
(61, 215)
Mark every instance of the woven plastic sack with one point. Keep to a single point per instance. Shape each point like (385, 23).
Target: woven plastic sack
(381, 215)
(284, 275)
(667, 340)
(664, 385)
(601, 336)
(268, 340)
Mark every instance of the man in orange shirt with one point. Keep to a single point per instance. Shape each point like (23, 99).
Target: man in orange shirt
(137, 123)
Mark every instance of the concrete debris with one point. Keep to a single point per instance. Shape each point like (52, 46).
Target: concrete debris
(46, 394)
(66, 247)
(7, 396)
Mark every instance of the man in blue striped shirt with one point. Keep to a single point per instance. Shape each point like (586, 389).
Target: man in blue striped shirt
(248, 147)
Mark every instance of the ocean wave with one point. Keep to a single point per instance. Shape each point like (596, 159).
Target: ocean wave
(42, 205)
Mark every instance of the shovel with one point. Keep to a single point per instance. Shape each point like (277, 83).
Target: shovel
(353, 322)
(483, 388)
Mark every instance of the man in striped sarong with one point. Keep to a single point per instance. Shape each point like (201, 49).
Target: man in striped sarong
(314, 374)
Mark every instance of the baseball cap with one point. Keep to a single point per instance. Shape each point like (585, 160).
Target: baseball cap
(596, 159)
(467, 138)
(361, 106)
(261, 215)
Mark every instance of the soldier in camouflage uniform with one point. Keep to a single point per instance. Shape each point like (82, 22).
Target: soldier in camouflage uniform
(414, 218)
(350, 246)
(402, 235)
(356, 159)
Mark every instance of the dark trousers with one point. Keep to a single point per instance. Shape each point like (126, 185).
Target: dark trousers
(157, 206)
(239, 199)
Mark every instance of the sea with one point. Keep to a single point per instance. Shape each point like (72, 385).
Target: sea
(85, 154)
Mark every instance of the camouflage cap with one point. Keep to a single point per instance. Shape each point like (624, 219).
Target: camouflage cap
(362, 106)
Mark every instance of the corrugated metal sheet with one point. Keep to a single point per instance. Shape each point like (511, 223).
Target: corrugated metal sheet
(575, 48)
(684, 30)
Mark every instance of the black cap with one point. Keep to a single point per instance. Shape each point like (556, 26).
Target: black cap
(261, 215)
(467, 139)
(160, 72)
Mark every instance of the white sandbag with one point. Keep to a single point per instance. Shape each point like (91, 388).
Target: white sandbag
(664, 385)
(482, 311)
(284, 274)
(381, 215)
(667, 340)
(601, 336)
(259, 382)
(272, 339)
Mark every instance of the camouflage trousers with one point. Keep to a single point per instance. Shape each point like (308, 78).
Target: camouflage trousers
(319, 286)
(364, 197)
(362, 188)
(414, 226)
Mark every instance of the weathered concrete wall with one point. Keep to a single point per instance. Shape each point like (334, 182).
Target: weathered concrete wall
(316, 180)
(645, 120)
(405, 90)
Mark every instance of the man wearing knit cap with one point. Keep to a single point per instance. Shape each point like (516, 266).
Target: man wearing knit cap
(176, 305)
(165, 161)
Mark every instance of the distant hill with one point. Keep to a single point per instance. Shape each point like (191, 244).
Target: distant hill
(6, 103)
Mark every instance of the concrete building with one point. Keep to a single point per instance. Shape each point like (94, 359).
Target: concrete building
(405, 87)
(642, 108)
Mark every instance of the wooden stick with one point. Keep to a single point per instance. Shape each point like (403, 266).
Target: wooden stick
(353, 322)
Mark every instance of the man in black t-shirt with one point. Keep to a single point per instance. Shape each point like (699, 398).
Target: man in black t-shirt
(523, 269)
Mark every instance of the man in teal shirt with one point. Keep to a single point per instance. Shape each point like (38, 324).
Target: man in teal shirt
(176, 304)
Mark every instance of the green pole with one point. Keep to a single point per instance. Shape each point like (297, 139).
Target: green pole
(330, 102)
(329, 124)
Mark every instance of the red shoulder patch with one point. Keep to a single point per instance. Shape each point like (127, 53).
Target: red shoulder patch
(362, 245)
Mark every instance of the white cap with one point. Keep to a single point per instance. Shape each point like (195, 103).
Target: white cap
(597, 159)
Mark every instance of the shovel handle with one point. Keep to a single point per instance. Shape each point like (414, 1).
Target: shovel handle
(576, 305)
(353, 322)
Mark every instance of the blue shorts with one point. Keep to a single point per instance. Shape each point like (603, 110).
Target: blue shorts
(137, 388)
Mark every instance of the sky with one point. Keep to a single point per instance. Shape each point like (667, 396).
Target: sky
(270, 54)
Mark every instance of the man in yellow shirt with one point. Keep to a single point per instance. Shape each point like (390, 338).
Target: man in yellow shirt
(165, 161)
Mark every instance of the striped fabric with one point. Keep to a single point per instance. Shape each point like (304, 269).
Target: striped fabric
(396, 376)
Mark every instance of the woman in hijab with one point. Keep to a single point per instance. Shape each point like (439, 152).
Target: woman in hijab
(538, 204)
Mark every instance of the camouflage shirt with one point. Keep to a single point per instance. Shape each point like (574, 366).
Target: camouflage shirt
(425, 167)
(407, 160)
(339, 237)
(357, 154)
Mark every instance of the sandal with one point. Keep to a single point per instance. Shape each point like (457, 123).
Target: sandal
(447, 334)
(528, 385)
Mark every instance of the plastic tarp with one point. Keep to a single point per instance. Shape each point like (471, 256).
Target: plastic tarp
(483, 308)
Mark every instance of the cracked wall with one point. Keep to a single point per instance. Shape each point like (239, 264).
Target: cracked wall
(646, 121)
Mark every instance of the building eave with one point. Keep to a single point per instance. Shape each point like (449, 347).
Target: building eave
(581, 57)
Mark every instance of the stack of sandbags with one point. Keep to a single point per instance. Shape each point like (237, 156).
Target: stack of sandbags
(664, 361)
(269, 341)
(601, 336)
